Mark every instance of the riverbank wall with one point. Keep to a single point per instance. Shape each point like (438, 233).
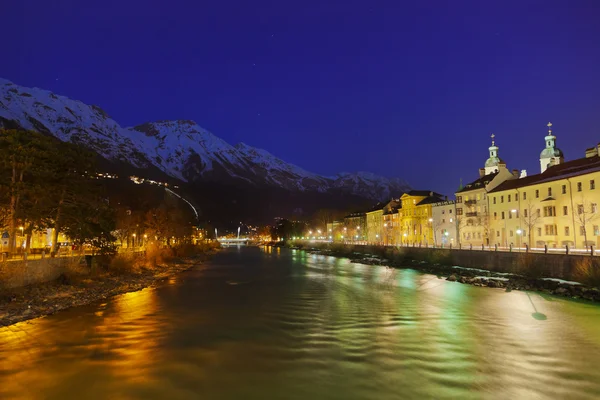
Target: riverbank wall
(581, 268)
(18, 273)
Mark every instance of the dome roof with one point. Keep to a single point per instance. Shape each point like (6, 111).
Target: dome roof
(493, 162)
(550, 152)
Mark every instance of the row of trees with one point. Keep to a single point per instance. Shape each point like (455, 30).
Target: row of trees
(45, 183)
(49, 184)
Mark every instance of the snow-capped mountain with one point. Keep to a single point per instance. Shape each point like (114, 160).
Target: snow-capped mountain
(181, 148)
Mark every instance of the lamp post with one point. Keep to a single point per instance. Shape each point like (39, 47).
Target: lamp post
(519, 232)
(134, 235)
(431, 227)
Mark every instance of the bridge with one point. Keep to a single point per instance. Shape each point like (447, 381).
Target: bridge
(226, 241)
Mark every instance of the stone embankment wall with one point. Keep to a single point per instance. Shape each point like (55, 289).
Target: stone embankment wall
(548, 265)
(17, 273)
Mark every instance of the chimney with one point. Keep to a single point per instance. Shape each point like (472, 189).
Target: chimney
(523, 173)
(430, 194)
(481, 172)
(515, 173)
(592, 151)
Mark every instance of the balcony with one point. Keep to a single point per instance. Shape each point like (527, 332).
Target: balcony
(471, 214)
(470, 203)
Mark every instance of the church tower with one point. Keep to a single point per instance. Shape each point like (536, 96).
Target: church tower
(493, 163)
(551, 155)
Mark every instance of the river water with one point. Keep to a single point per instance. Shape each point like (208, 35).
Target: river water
(284, 324)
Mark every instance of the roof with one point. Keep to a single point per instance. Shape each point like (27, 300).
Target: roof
(430, 200)
(425, 193)
(564, 170)
(377, 207)
(479, 183)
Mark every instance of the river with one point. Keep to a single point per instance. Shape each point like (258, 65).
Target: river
(268, 323)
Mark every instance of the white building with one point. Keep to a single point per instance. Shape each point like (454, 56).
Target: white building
(444, 223)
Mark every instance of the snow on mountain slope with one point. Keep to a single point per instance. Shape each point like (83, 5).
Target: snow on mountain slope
(180, 148)
(68, 120)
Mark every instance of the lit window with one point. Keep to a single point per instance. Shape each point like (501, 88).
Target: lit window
(567, 231)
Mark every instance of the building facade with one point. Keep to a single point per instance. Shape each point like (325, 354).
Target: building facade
(355, 227)
(416, 217)
(472, 206)
(556, 208)
(374, 226)
(444, 223)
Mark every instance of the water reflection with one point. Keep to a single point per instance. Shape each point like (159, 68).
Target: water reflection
(299, 326)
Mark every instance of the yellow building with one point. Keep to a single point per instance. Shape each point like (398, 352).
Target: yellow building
(391, 223)
(416, 224)
(556, 208)
(374, 226)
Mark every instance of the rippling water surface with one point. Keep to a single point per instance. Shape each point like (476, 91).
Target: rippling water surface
(282, 324)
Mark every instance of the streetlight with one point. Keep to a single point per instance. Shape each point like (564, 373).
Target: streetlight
(431, 223)
(519, 232)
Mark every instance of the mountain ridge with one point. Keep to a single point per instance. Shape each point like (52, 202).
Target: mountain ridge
(181, 149)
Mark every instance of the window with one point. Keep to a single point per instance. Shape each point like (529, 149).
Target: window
(509, 198)
(450, 219)
(495, 215)
(478, 235)
(579, 186)
(443, 212)
(497, 233)
(549, 211)
(450, 211)
(443, 221)
(567, 233)
(478, 197)
(459, 211)
(537, 194)
(510, 215)
(525, 213)
(596, 231)
(459, 199)
(594, 208)
(565, 210)
(564, 189)
(582, 230)
(549, 192)
(539, 231)
(539, 214)
(516, 196)
(511, 233)
(580, 209)
(524, 195)
(592, 185)
(494, 199)
(502, 214)
(501, 199)
(549, 229)
(524, 232)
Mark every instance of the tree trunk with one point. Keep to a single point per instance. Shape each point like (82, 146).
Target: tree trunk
(57, 225)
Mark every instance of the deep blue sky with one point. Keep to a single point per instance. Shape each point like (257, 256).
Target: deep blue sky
(401, 88)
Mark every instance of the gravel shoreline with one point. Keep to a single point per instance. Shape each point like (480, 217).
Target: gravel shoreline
(25, 303)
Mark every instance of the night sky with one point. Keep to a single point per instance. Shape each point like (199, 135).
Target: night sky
(408, 89)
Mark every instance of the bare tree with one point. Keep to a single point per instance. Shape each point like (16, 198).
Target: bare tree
(585, 213)
(530, 218)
